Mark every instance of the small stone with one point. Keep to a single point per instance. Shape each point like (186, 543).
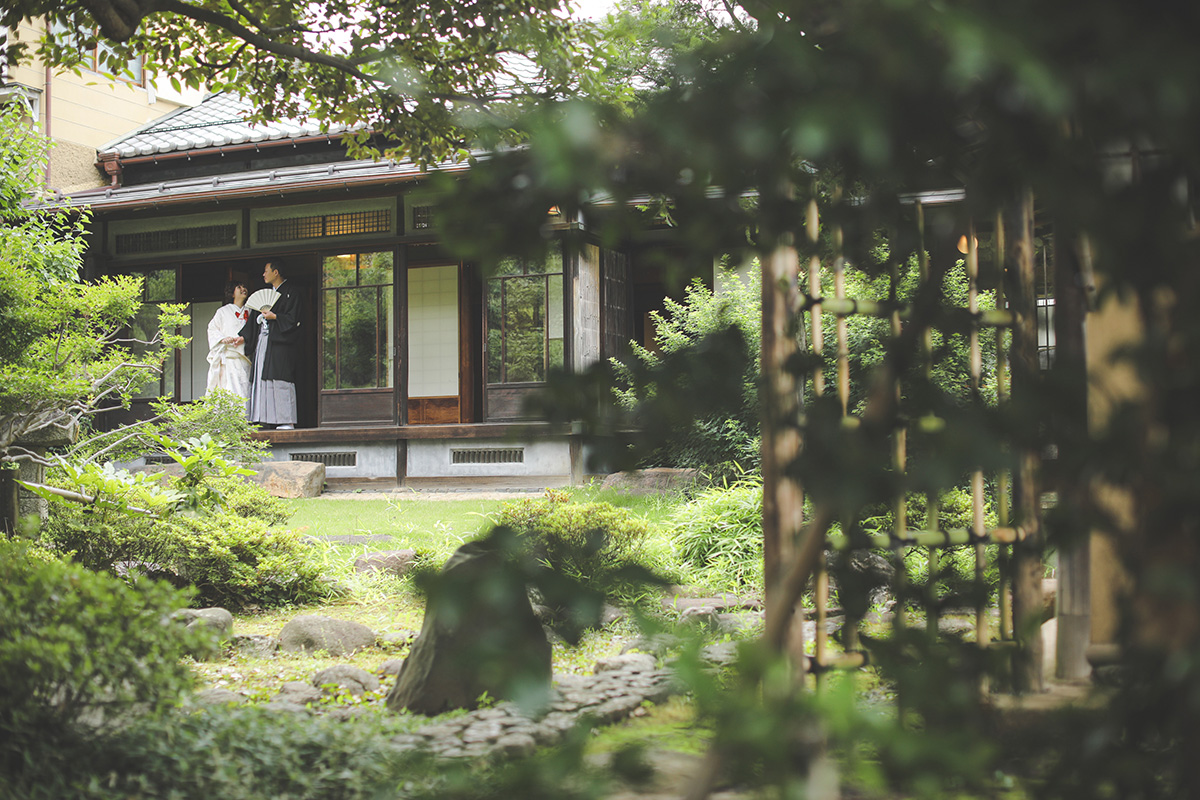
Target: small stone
(391, 666)
(633, 662)
(516, 744)
(254, 644)
(355, 680)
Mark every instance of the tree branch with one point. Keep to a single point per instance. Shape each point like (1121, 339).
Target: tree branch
(262, 42)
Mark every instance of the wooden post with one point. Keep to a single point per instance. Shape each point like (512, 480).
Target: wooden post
(1074, 560)
(783, 498)
(1027, 567)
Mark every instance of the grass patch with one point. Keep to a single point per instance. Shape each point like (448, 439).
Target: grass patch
(671, 725)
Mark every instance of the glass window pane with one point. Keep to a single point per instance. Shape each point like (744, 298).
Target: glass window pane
(339, 270)
(509, 266)
(329, 341)
(554, 325)
(385, 337)
(160, 286)
(524, 330)
(358, 338)
(551, 263)
(375, 269)
(495, 369)
(143, 327)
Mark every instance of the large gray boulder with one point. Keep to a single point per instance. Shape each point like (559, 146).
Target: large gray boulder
(655, 480)
(479, 636)
(309, 633)
(290, 478)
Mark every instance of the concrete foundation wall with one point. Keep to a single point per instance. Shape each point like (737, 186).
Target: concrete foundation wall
(433, 458)
(371, 459)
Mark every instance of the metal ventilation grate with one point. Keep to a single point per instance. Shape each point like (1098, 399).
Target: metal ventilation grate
(329, 459)
(488, 455)
(176, 239)
(353, 223)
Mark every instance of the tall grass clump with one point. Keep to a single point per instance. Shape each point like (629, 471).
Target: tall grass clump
(718, 536)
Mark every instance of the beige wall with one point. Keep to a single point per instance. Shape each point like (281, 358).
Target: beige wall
(86, 112)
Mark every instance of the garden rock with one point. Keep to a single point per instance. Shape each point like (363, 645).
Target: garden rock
(656, 480)
(309, 633)
(355, 680)
(217, 622)
(479, 635)
(254, 644)
(298, 693)
(397, 638)
(861, 580)
(391, 667)
(630, 662)
(217, 697)
(290, 478)
(396, 562)
(680, 600)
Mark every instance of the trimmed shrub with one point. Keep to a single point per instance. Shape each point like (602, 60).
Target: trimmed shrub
(718, 535)
(230, 560)
(241, 498)
(80, 652)
(589, 542)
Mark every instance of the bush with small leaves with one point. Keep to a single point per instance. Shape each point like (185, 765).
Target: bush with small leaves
(589, 542)
(80, 654)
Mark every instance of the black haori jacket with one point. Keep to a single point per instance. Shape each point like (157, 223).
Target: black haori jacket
(283, 352)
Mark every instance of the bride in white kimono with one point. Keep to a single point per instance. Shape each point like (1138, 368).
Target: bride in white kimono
(228, 367)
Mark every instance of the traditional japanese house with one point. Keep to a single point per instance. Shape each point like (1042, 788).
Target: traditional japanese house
(418, 364)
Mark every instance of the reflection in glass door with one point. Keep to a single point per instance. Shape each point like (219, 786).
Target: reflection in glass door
(358, 324)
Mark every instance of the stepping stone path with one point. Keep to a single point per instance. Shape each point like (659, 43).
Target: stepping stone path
(618, 689)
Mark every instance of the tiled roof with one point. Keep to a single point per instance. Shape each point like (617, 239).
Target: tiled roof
(218, 121)
(285, 180)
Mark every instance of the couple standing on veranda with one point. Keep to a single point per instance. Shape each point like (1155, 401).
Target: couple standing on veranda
(253, 353)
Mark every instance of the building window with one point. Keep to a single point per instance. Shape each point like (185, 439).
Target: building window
(98, 56)
(159, 287)
(525, 320)
(358, 319)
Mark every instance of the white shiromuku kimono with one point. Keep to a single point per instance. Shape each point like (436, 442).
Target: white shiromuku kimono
(228, 367)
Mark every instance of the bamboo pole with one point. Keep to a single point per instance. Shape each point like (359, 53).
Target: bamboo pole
(1003, 598)
(899, 454)
(976, 356)
(815, 306)
(932, 500)
(1027, 552)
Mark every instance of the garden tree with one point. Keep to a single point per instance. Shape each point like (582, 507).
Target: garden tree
(64, 352)
(417, 74)
(647, 38)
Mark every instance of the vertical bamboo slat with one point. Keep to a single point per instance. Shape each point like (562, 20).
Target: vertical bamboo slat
(1003, 482)
(976, 356)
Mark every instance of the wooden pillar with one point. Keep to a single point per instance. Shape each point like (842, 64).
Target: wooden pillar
(1073, 610)
(1027, 567)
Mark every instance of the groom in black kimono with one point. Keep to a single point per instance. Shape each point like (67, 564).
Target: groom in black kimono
(272, 342)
